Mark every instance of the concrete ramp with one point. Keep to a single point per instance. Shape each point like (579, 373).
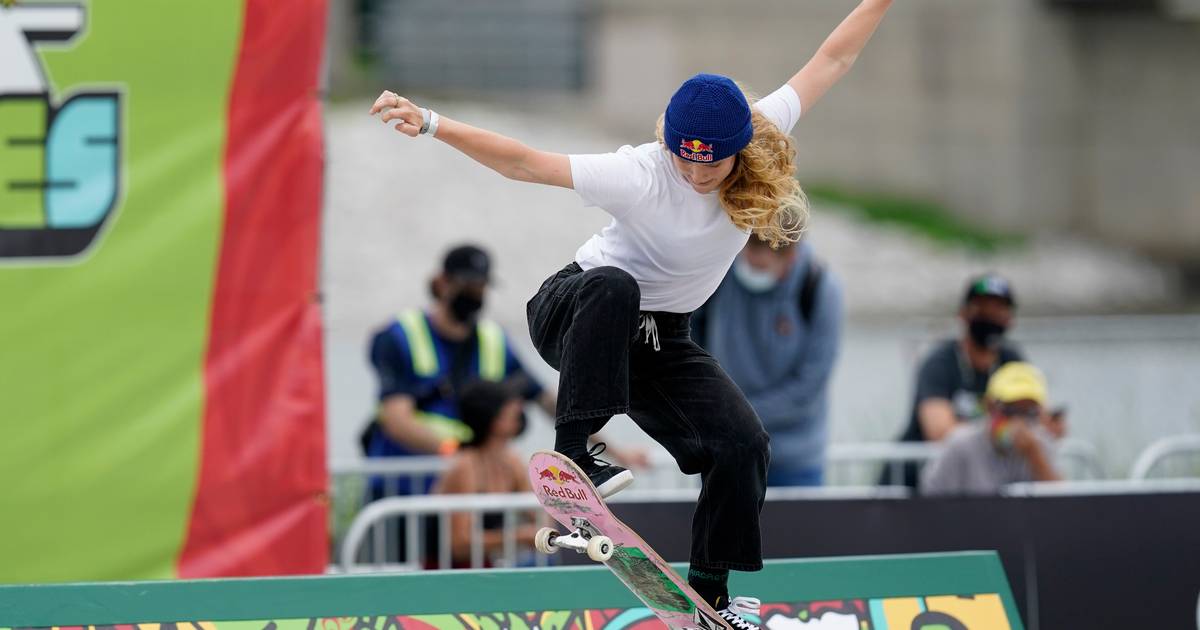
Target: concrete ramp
(957, 591)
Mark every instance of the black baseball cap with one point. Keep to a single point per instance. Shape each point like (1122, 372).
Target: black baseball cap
(467, 262)
(990, 285)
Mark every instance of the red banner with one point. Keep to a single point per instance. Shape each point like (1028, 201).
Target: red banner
(260, 502)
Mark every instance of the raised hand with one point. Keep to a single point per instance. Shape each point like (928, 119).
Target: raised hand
(396, 107)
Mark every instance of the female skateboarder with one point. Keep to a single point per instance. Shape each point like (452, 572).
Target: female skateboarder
(614, 321)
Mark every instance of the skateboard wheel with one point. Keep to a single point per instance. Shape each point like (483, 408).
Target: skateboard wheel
(541, 540)
(600, 548)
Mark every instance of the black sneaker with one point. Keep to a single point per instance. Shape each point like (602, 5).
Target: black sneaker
(609, 479)
(741, 613)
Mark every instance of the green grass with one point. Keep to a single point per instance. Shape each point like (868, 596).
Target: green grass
(921, 217)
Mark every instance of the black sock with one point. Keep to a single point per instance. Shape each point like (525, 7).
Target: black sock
(571, 438)
(711, 584)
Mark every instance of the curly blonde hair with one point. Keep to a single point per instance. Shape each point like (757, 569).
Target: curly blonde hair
(761, 194)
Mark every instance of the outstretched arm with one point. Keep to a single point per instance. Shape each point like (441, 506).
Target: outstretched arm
(838, 53)
(502, 154)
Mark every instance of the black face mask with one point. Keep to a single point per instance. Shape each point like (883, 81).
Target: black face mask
(986, 333)
(465, 307)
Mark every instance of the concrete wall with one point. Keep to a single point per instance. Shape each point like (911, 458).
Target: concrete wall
(1018, 115)
(1142, 149)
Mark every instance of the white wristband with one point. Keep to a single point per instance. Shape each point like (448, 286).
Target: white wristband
(433, 123)
(424, 121)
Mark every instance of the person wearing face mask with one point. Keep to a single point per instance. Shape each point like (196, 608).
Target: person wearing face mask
(1011, 446)
(423, 358)
(426, 359)
(954, 375)
(774, 325)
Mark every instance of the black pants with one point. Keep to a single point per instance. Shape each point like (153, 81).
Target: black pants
(586, 325)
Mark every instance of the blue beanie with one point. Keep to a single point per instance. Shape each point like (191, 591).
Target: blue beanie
(708, 119)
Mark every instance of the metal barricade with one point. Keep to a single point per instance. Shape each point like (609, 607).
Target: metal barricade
(351, 479)
(371, 522)
(1077, 459)
(1160, 451)
(849, 465)
(350, 485)
(374, 519)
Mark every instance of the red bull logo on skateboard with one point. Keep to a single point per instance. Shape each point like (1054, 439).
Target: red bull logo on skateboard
(578, 494)
(560, 477)
(557, 476)
(696, 151)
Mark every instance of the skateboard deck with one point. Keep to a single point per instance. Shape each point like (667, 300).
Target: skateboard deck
(570, 498)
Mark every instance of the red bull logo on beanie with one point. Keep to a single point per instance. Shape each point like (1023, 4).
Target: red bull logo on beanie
(696, 151)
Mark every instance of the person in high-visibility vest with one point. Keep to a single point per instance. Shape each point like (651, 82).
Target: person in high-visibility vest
(423, 358)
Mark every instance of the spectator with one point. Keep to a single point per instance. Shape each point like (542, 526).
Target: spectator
(424, 358)
(487, 463)
(981, 458)
(774, 325)
(953, 377)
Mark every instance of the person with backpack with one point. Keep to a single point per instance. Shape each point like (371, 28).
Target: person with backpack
(774, 324)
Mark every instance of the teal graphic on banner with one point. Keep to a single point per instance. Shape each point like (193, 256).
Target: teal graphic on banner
(59, 161)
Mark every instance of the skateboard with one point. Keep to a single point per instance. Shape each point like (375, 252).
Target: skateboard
(571, 499)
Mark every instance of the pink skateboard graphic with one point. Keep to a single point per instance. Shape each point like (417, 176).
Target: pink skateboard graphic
(568, 496)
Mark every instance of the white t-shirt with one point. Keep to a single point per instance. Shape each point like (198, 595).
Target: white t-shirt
(676, 242)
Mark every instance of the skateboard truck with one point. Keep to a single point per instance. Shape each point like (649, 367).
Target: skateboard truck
(584, 539)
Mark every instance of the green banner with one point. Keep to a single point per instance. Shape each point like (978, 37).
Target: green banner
(118, 109)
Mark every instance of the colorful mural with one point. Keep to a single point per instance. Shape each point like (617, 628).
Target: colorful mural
(942, 612)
